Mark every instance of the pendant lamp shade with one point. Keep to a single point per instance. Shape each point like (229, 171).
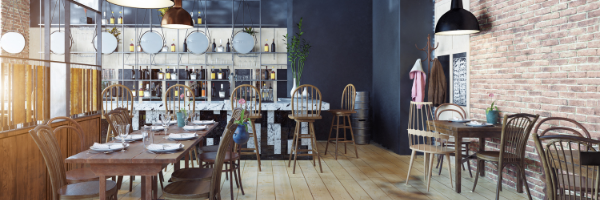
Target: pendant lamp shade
(149, 4)
(457, 21)
(177, 18)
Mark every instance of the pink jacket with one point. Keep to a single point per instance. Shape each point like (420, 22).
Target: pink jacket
(418, 89)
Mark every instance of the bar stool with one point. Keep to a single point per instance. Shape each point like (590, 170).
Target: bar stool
(347, 109)
(306, 107)
(253, 107)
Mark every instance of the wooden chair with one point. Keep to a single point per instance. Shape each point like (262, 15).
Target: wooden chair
(305, 109)
(347, 109)
(566, 177)
(515, 133)
(115, 96)
(421, 139)
(46, 141)
(174, 102)
(447, 107)
(253, 111)
(197, 189)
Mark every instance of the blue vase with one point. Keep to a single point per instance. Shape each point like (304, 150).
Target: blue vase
(180, 119)
(241, 136)
(492, 116)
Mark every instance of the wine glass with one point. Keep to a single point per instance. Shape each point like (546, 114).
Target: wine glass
(166, 119)
(123, 133)
(191, 116)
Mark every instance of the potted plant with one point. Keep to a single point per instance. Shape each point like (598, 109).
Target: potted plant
(115, 32)
(181, 114)
(241, 133)
(298, 50)
(491, 113)
(250, 31)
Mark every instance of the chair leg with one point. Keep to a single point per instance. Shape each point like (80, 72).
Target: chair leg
(314, 140)
(162, 179)
(119, 182)
(256, 132)
(337, 136)
(449, 169)
(440, 163)
(296, 152)
(431, 156)
(231, 181)
(469, 167)
(439, 160)
(292, 148)
(329, 137)
(240, 175)
(410, 163)
(477, 174)
(522, 168)
(345, 136)
(352, 134)
(499, 186)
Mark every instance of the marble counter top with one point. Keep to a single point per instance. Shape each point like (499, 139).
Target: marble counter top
(211, 105)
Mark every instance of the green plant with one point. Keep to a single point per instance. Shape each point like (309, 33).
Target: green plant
(162, 11)
(243, 119)
(298, 50)
(250, 31)
(114, 31)
(492, 107)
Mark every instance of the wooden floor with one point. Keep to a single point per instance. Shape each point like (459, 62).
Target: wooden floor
(378, 174)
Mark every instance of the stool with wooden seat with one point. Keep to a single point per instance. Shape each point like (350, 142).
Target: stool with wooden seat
(346, 110)
(44, 138)
(306, 107)
(253, 111)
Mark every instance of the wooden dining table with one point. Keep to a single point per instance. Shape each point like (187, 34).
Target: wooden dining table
(137, 161)
(460, 131)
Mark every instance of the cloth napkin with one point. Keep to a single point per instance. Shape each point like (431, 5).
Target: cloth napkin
(107, 146)
(160, 122)
(157, 128)
(182, 135)
(203, 121)
(456, 118)
(475, 123)
(187, 127)
(165, 146)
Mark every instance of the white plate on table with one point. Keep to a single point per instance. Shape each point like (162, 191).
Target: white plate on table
(479, 125)
(108, 146)
(203, 122)
(182, 136)
(460, 120)
(159, 123)
(157, 128)
(194, 128)
(165, 147)
(132, 137)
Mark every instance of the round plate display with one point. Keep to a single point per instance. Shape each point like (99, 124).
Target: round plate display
(243, 42)
(12, 42)
(151, 42)
(109, 43)
(197, 42)
(57, 42)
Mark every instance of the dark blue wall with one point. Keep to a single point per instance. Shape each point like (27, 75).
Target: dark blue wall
(341, 38)
(397, 26)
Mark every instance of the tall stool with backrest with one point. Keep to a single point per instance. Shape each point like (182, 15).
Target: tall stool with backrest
(422, 139)
(347, 109)
(173, 101)
(447, 107)
(203, 189)
(305, 108)
(253, 111)
(515, 133)
(115, 96)
(46, 141)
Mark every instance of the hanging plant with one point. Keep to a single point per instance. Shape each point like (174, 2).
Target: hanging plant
(115, 32)
(250, 31)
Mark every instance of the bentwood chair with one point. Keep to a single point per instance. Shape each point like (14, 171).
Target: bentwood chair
(515, 133)
(203, 189)
(305, 109)
(46, 141)
(115, 96)
(566, 176)
(176, 98)
(454, 110)
(253, 111)
(347, 109)
(78, 173)
(421, 139)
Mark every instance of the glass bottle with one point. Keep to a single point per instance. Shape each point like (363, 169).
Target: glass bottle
(168, 74)
(199, 18)
(187, 73)
(203, 89)
(273, 74)
(104, 18)
(194, 75)
(220, 74)
(133, 91)
(228, 48)
(158, 90)
(202, 74)
(139, 48)
(213, 91)
(176, 92)
(173, 46)
(273, 45)
(112, 17)
(174, 75)
(121, 17)
(161, 75)
(220, 48)
(148, 75)
(212, 73)
(267, 45)
(214, 46)
(131, 46)
(141, 92)
(148, 93)
(132, 73)
(222, 92)
(188, 93)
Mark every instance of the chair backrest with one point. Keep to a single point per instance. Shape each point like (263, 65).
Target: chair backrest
(419, 133)
(306, 101)
(173, 100)
(116, 96)
(115, 118)
(251, 95)
(566, 178)
(348, 97)
(515, 133)
(225, 146)
(561, 121)
(450, 107)
(74, 127)
(44, 138)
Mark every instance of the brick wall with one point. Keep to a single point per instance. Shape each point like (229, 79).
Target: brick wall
(15, 18)
(540, 57)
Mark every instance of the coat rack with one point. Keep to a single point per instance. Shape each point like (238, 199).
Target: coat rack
(428, 49)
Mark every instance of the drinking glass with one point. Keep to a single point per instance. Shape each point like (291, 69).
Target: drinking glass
(123, 133)
(148, 136)
(166, 119)
(191, 116)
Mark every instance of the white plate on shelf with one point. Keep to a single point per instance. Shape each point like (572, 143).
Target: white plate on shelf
(203, 122)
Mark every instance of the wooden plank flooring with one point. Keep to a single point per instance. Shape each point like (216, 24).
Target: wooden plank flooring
(376, 174)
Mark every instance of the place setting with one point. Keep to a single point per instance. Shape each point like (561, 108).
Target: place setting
(478, 124)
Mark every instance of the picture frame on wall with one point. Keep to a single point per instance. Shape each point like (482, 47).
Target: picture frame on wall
(459, 78)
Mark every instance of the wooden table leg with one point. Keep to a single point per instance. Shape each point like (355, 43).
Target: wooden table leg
(102, 187)
(187, 160)
(176, 165)
(481, 149)
(146, 187)
(457, 162)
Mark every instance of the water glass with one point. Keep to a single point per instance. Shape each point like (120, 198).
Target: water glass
(123, 133)
(148, 136)
(166, 119)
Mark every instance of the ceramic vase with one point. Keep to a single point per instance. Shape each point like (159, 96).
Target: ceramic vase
(180, 119)
(241, 136)
(492, 116)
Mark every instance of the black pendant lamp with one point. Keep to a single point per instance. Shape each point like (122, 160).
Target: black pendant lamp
(457, 21)
(177, 18)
